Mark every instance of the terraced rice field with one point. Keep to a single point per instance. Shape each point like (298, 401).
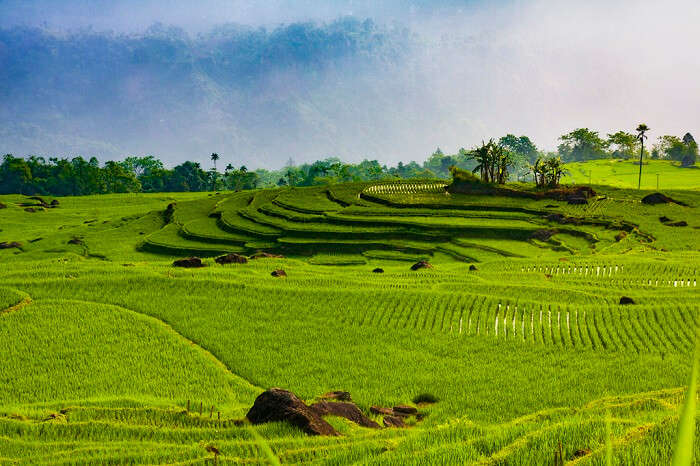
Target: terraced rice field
(112, 355)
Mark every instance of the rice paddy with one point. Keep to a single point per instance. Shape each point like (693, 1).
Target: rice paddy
(519, 330)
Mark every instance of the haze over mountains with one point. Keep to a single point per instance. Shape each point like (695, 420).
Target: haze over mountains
(262, 83)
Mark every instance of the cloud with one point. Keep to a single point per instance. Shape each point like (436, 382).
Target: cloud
(469, 71)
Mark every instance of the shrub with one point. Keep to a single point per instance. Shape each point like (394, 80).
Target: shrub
(425, 398)
(460, 175)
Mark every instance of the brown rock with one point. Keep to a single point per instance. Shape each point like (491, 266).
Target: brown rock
(337, 395)
(582, 452)
(626, 300)
(346, 410)
(189, 263)
(381, 410)
(231, 259)
(279, 273)
(421, 265)
(10, 245)
(574, 200)
(278, 405)
(658, 198)
(393, 421)
(404, 410)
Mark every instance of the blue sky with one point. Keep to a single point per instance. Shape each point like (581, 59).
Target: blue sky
(482, 69)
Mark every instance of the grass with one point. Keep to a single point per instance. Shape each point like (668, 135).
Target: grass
(110, 343)
(625, 174)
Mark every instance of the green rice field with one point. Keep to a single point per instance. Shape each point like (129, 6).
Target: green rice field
(110, 355)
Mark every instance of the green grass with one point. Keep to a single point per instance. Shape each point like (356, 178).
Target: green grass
(625, 174)
(103, 343)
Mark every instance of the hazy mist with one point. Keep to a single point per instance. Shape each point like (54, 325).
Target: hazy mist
(96, 78)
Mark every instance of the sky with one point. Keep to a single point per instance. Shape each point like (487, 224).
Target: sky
(480, 70)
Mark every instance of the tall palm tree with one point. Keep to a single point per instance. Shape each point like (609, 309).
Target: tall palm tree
(641, 136)
(214, 157)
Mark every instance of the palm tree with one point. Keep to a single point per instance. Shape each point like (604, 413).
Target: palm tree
(214, 157)
(641, 129)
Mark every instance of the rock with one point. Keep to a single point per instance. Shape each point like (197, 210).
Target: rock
(404, 410)
(664, 219)
(266, 255)
(10, 245)
(582, 452)
(277, 405)
(77, 241)
(626, 300)
(231, 259)
(337, 395)
(54, 203)
(543, 235)
(573, 200)
(378, 270)
(421, 265)
(393, 421)
(620, 236)
(559, 218)
(2, 206)
(346, 410)
(279, 273)
(473, 268)
(31, 209)
(381, 410)
(658, 198)
(190, 263)
(681, 223)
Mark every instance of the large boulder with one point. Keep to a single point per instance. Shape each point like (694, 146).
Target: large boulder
(189, 263)
(381, 410)
(393, 421)
(404, 410)
(347, 410)
(231, 259)
(278, 405)
(421, 265)
(658, 198)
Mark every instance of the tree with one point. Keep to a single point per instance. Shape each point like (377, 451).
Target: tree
(582, 144)
(548, 171)
(521, 147)
(690, 155)
(641, 135)
(624, 143)
(214, 157)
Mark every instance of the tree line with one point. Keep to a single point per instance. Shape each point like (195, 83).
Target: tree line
(509, 158)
